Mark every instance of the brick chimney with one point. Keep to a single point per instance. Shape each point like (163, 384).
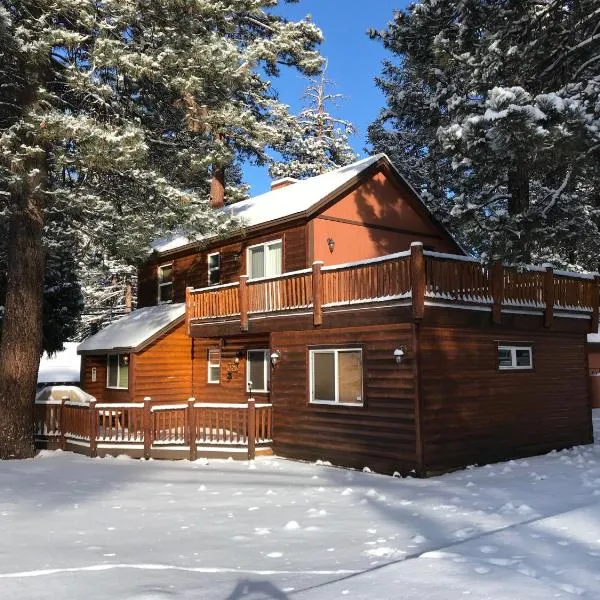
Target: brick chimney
(217, 188)
(281, 183)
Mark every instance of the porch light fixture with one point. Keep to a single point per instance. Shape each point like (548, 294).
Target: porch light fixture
(275, 357)
(331, 244)
(399, 354)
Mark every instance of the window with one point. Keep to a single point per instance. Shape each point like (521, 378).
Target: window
(515, 357)
(257, 370)
(165, 283)
(265, 260)
(214, 268)
(336, 376)
(117, 371)
(214, 366)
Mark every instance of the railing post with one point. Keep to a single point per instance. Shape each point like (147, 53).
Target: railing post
(417, 280)
(251, 429)
(497, 291)
(192, 429)
(188, 308)
(244, 302)
(147, 425)
(317, 287)
(595, 304)
(62, 424)
(549, 296)
(93, 428)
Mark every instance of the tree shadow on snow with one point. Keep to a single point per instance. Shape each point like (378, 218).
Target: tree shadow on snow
(247, 589)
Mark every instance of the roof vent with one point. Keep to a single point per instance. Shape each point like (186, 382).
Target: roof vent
(281, 183)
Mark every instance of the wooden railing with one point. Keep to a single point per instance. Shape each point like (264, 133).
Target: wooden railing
(148, 427)
(421, 277)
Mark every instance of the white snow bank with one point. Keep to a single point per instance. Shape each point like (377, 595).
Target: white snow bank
(62, 367)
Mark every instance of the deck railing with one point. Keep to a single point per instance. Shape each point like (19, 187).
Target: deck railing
(148, 427)
(417, 276)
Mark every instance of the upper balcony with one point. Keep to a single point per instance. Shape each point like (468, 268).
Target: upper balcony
(416, 278)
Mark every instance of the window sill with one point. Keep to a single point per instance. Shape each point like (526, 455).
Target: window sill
(333, 403)
(122, 389)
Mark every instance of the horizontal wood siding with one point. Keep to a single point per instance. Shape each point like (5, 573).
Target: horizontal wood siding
(98, 388)
(232, 387)
(380, 434)
(475, 413)
(163, 370)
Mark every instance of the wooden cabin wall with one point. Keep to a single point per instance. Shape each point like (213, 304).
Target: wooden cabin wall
(381, 434)
(232, 387)
(98, 388)
(472, 412)
(163, 370)
(190, 268)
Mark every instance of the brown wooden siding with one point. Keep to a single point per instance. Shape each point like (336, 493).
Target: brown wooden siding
(163, 370)
(475, 413)
(380, 434)
(98, 388)
(232, 387)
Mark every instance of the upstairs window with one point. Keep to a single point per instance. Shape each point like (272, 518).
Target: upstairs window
(117, 371)
(515, 357)
(336, 376)
(214, 268)
(214, 366)
(165, 283)
(265, 260)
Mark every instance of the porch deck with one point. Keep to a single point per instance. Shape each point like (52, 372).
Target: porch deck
(187, 430)
(415, 278)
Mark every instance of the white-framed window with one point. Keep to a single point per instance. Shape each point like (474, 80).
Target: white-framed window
(214, 268)
(265, 260)
(336, 376)
(515, 357)
(165, 283)
(257, 370)
(214, 366)
(117, 371)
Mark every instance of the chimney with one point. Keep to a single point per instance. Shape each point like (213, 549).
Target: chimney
(217, 188)
(281, 183)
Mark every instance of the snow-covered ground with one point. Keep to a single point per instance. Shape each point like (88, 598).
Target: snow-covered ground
(89, 529)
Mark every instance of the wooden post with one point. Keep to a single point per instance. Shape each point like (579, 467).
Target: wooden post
(251, 429)
(417, 280)
(244, 302)
(317, 286)
(147, 425)
(595, 304)
(497, 291)
(93, 428)
(549, 296)
(192, 429)
(188, 308)
(61, 423)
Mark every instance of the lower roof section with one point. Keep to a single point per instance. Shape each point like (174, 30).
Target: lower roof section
(135, 331)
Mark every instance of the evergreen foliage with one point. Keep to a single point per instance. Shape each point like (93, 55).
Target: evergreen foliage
(493, 112)
(316, 141)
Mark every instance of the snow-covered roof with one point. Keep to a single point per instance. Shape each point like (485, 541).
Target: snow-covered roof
(62, 367)
(132, 332)
(593, 338)
(282, 203)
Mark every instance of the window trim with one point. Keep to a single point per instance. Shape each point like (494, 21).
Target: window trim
(210, 364)
(266, 365)
(116, 387)
(160, 285)
(265, 245)
(336, 351)
(209, 270)
(513, 357)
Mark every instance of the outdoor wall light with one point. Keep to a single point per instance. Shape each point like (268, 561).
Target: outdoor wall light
(331, 244)
(275, 357)
(399, 354)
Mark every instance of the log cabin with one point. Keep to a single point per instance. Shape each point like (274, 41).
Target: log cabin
(360, 327)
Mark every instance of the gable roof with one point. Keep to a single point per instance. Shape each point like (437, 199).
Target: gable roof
(135, 331)
(300, 199)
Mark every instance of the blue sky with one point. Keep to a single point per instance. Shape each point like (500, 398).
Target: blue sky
(353, 61)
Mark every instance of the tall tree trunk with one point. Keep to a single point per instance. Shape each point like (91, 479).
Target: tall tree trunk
(518, 204)
(21, 341)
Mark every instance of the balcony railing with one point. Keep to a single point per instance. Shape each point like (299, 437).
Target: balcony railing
(419, 277)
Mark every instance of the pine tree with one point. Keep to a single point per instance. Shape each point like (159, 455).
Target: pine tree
(493, 112)
(113, 114)
(316, 141)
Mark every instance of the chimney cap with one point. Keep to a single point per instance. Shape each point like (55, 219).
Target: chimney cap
(283, 182)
